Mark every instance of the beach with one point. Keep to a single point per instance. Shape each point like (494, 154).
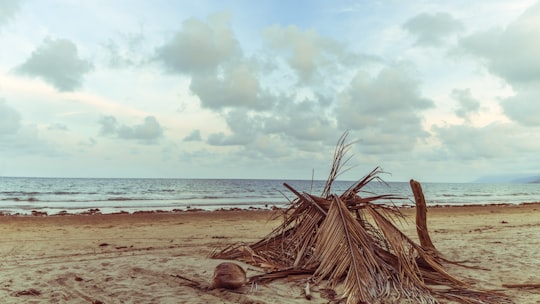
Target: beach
(163, 257)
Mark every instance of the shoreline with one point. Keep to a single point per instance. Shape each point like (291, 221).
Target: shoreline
(54, 196)
(97, 211)
(163, 257)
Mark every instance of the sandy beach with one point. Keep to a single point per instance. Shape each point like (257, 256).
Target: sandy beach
(164, 257)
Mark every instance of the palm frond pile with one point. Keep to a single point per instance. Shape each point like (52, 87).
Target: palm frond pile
(352, 243)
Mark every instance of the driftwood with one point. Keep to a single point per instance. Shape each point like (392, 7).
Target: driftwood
(421, 217)
(353, 241)
(525, 285)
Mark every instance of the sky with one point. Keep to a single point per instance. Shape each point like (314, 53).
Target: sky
(437, 91)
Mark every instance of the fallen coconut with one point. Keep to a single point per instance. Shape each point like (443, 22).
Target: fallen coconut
(229, 276)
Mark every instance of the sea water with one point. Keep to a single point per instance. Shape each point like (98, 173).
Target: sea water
(21, 195)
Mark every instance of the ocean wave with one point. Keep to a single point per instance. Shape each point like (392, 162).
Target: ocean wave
(17, 199)
(153, 194)
(19, 193)
(122, 199)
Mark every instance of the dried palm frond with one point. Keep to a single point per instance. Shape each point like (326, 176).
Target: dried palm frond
(353, 241)
(344, 249)
(342, 147)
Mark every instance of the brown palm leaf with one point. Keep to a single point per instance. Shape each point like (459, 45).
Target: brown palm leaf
(406, 251)
(345, 249)
(337, 166)
(352, 241)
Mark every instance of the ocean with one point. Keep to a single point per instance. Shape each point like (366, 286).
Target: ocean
(21, 195)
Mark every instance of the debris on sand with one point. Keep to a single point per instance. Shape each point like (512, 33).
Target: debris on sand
(229, 276)
(352, 242)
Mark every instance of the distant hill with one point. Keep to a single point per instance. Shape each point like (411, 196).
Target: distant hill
(531, 179)
(509, 178)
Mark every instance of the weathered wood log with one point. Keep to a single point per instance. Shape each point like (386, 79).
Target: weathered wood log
(421, 217)
(529, 285)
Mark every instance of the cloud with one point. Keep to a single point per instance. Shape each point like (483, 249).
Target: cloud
(312, 59)
(244, 127)
(295, 123)
(524, 107)
(433, 29)
(18, 139)
(200, 47)
(255, 147)
(494, 141)
(117, 58)
(89, 142)
(238, 86)
(221, 139)
(8, 9)
(513, 53)
(108, 125)
(303, 120)
(10, 120)
(307, 53)
(468, 105)
(383, 111)
(209, 53)
(58, 127)
(148, 132)
(129, 50)
(57, 62)
(28, 141)
(251, 93)
(194, 136)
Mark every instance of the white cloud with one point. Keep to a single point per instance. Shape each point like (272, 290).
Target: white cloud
(10, 119)
(128, 50)
(497, 141)
(58, 126)
(117, 57)
(200, 47)
(468, 105)
(221, 139)
(108, 125)
(385, 111)
(308, 53)
(433, 29)
(210, 55)
(269, 89)
(236, 86)
(8, 9)
(195, 135)
(510, 52)
(148, 132)
(514, 55)
(291, 122)
(18, 139)
(524, 107)
(303, 120)
(57, 62)
(244, 127)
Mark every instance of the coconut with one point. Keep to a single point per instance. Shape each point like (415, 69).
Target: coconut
(229, 276)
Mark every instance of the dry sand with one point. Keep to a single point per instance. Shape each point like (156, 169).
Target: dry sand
(163, 257)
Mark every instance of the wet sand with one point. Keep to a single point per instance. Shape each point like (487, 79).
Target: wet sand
(164, 257)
